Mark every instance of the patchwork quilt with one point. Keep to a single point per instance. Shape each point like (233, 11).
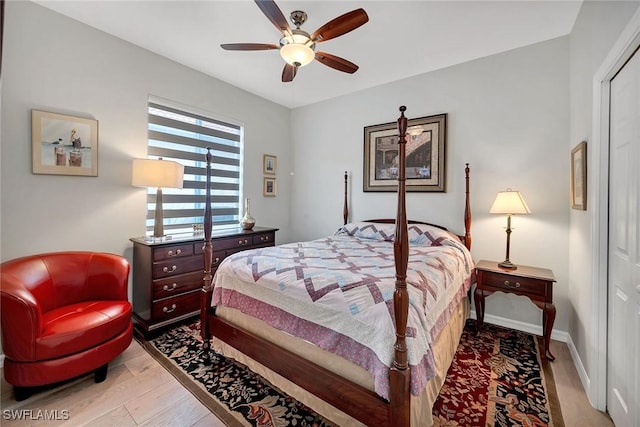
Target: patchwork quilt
(337, 293)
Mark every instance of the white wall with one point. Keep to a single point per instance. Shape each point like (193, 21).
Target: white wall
(53, 63)
(508, 117)
(597, 27)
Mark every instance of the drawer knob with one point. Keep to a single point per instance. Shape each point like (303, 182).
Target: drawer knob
(177, 252)
(167, 288)
(264, 238)
(217, 260)
(512, 285)
(243, 242)
(169, 310)
(166, 269)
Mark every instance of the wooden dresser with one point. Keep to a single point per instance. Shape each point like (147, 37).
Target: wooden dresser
(168, 273)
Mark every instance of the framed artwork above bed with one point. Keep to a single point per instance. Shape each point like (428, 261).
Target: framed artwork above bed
(425, 155)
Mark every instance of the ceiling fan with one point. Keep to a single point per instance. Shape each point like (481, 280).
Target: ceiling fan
(297, 47)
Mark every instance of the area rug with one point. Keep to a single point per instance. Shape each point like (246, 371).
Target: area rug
(497, 379)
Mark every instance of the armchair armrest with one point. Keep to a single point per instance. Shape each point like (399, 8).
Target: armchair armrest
(21, 320)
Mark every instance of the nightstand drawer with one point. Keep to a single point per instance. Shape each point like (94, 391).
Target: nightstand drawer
(511, 283)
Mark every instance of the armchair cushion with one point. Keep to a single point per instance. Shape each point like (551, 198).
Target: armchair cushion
(73, 328)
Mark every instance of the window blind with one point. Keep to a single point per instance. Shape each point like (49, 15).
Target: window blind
(183, 136)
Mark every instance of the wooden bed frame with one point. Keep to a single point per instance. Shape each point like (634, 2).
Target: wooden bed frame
(360, 403)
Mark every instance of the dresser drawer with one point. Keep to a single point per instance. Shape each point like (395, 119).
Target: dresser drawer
(507, 283)
(176, 306)
(177, 266)
(264, 239)
(240, 243)
(174, 285)
(173, 251)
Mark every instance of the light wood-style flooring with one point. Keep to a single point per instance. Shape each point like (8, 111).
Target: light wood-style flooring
(139, 392)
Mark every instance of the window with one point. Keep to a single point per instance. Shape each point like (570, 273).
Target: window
(183, 135)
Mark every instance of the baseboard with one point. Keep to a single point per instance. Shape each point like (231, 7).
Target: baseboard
(522, 326)
(582, 373)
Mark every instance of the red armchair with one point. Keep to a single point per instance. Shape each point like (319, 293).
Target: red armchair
(64, 314)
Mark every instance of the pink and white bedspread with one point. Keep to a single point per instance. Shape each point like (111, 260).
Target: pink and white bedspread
(337, 293)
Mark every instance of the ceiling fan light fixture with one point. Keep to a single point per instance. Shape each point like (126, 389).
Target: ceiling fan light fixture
(297, 54)
(297, 47)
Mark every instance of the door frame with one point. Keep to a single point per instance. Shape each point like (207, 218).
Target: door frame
(598, 165)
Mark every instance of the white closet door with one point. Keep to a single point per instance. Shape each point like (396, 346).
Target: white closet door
(623, 355)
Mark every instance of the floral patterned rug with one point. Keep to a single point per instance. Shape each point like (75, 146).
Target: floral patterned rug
(497, 379)
(229, 389)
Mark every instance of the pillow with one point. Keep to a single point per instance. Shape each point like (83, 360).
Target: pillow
(428, 235)
(419, 234)
(369, 230)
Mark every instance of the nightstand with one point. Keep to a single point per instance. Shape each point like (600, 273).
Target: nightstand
(532, 282)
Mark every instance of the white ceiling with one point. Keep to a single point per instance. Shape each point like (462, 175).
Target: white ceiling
(401, 39)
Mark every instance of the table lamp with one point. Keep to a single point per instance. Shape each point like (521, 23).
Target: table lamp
(157, 173)
(511, 203)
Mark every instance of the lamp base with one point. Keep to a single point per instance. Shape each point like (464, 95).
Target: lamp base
(507, 265)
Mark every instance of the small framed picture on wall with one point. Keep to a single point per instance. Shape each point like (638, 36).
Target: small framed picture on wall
(579, 176)
(269, 187)
(269, 164)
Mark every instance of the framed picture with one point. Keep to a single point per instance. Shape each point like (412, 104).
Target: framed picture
(63, 145)
(425, 155)
(579, 176)
(269, 187)
(269, 164)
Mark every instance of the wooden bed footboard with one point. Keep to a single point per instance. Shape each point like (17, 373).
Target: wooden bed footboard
(357, 401)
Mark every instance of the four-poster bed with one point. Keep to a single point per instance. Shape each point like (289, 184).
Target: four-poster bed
(248, 330)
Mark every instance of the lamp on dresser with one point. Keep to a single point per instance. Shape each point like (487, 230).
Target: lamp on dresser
(509, 202)
(157, 173)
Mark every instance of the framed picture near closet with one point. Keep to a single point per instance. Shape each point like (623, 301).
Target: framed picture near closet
(579, 176)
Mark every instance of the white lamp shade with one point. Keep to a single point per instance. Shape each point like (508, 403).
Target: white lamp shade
(157, 173)
(509, 202)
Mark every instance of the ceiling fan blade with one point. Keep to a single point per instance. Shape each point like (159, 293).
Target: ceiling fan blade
(336, 62)
(248, 46)
(340, 25)
(288, 73)
(273, 12)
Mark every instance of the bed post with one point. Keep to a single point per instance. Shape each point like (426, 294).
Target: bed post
(399, 394)
(207, 290)
(345, 210)
(467, 210)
